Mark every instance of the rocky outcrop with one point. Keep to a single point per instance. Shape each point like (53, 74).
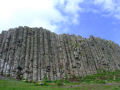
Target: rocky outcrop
(40, 53)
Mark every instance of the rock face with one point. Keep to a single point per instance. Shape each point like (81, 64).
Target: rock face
(37, 53)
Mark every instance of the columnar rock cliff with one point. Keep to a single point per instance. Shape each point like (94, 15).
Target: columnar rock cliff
(41, 53)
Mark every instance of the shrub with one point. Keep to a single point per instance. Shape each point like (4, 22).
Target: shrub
(59, 83)
(100, 81)
(45, 81)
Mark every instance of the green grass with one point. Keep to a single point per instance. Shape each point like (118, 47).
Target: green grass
(102, 77)
(19, 85)
(103, 80)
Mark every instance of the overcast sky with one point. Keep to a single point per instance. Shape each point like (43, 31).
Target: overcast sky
(100, 18)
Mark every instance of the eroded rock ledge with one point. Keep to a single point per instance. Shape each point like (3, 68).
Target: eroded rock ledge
(39, 53)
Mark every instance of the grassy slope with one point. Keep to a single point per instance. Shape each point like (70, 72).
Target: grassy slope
(100, 81)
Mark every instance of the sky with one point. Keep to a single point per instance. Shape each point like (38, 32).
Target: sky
(100, 18)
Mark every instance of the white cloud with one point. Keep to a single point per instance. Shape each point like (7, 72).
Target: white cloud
(38, 13)
(28, 12)
(110, 6)
(50, 14)
(71, 8)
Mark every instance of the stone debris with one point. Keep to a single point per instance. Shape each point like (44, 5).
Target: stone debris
(39, 53)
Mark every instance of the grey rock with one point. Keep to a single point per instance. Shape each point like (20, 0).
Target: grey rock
(43, 54)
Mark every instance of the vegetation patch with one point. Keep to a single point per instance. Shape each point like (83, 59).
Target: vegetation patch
(105, 80)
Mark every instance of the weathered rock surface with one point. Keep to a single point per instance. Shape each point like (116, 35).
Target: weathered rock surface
(41, 53)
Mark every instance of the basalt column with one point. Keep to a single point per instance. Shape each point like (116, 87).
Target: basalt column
(38, 53)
